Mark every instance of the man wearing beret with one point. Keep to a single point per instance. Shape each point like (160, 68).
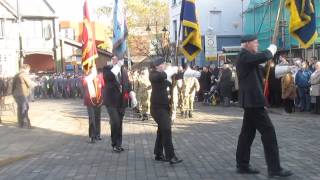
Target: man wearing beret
(118, 92)
(160, 78)
(251, 98)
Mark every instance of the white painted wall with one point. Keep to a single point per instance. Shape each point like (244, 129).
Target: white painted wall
(9, 45)
(224, 16)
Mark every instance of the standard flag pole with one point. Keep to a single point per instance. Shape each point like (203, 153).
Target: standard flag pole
(177, 45)
(274, 41)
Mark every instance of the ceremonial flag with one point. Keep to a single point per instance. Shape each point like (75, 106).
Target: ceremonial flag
(120, 30)
(303, 21)
(89, 50)
(191, 35)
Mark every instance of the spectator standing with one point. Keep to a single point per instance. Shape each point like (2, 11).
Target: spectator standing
(288, 92)
(22, 86)
(205, 82)
(303, 83)
(315, 88)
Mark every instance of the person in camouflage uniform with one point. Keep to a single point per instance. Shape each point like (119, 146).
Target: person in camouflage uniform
(144, 93)
(190, 87)
(135, 77)
(177, 93)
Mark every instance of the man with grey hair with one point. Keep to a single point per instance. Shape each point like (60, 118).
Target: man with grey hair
(21, 89)
(255, 116)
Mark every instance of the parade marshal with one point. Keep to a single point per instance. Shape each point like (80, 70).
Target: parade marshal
(255, 117)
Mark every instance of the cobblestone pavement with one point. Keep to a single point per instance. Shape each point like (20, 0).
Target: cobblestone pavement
(57, 147)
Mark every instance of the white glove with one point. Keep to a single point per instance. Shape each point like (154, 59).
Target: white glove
(273, 49)
(170, 71)
(116, 69)
(133, 98)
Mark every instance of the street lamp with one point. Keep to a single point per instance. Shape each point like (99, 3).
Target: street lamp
(148, 28)
(164, 29)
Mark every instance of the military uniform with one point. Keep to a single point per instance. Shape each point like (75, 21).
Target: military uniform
(176, 95)
(144, 94)
(190, 87)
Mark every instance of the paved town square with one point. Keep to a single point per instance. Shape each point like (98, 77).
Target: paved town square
(57, 147)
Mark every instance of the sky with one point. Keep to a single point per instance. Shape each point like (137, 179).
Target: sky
(73, 9)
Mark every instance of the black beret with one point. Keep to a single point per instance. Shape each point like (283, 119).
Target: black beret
(248, 38)
(157, 61)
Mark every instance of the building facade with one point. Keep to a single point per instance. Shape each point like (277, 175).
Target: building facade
(27, 35)
(259, 18)
(70, 40)
(224, 18)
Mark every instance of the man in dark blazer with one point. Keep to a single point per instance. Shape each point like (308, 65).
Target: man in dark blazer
(251, 98)
(117, 93)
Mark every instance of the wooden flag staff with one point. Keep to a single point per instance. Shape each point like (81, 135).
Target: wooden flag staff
(274, 41)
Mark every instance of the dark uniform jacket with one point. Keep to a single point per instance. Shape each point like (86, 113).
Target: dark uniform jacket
(251, 78)
(116, 92)
(160, 89)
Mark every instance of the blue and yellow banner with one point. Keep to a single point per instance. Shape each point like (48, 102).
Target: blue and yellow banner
(191, 35)
(120, 30)
(302, 21)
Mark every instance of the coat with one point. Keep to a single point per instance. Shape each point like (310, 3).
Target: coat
(303, 78)
(205, 81)
(22, 85)
(288, 88)
(315, 84)
(226, 83)
(116, 92)
(160, 89)
(250, 78)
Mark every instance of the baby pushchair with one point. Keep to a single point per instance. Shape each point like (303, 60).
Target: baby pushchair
(211, 97)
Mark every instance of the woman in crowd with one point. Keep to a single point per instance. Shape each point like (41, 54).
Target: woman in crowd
(303, 83)
(288, 92)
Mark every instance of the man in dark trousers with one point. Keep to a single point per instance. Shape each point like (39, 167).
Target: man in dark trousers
(117, 93)
(205, 81)
(93, 100)
(255, 117)
(160, 79)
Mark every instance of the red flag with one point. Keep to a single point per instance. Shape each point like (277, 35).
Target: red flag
(89, 50)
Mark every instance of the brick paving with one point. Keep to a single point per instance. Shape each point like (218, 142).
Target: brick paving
(57, 147)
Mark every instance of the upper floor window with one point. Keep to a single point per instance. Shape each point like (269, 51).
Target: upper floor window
(1, 28)
(46, 32)
(174, 2)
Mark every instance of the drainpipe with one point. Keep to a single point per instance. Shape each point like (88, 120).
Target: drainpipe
(20, 35)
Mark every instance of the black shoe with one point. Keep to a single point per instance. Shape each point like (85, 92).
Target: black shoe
(117, 149)
(248, 170)
(175, 160)
(281, 173)
(92, 140)
(98, 138)
(121, 148)
(160, 158)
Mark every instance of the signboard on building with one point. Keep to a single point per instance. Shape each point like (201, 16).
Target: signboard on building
(210, 46)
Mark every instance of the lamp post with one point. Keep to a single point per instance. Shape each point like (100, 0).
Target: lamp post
(161, 41)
